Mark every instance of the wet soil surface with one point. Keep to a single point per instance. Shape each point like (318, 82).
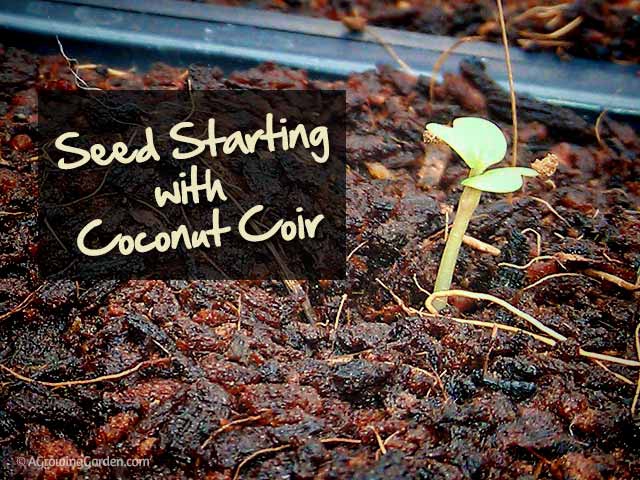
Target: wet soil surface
(372, 392)
(586, 28)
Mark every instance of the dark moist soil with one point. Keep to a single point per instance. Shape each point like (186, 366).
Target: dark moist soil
(608, 29)
(320, 395)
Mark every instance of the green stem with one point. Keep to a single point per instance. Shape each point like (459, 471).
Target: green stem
(466, 206)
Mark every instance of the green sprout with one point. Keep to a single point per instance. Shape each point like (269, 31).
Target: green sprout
(481, 144)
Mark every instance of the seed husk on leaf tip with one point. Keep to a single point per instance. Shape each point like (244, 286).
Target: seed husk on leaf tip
(547, 165)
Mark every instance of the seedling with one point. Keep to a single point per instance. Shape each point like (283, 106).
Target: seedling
(480, 144)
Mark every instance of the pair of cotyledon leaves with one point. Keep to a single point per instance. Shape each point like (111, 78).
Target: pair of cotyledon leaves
(480, 143)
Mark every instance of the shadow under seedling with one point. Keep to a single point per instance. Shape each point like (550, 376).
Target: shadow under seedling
(480, 144)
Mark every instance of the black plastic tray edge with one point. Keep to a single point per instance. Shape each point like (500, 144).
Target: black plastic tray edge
(235, 37)
(292, 23)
